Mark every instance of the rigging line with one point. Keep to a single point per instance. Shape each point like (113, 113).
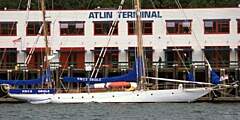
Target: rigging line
(3, 56)
(153, 4)
(11, 32)
(65, 64)
(28, 5)
(90, 2)
(179, 55)
(104, 49)
(194, 34)
(19, 4)
(34, 46)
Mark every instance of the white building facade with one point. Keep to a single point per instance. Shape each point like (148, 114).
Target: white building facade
(164, 30)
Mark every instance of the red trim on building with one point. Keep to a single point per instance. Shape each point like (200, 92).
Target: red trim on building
(178, 27)
(37, 58)
(101, 28)
(72, 56)
(147, 27)
(216, 26)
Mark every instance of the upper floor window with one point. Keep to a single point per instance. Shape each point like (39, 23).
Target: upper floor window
(103, 27)
(216, 26)
(238, 25)
(146, 28)
(34, 27)
(8, 28)
(72, 28)
(178, 26)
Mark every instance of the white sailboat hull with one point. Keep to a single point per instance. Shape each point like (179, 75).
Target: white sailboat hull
(172, 95)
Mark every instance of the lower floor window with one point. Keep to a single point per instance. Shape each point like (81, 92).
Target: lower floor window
(218, 56)
(180, 56)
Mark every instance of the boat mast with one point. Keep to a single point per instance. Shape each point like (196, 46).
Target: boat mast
(138, 27)
(45, 32)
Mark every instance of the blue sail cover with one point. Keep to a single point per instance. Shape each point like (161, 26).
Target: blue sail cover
(190, 76)
(43, 79)
(23, 82)
(215, 79)
(131, 76)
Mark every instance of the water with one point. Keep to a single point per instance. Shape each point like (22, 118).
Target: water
(113, 111)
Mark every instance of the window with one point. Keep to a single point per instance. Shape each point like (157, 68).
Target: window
(110, 58)
(8, 57)
(72, 28)
(178, 26)
(72, 56)
(103, 27)
(34, 27)
(148, 55)
(216, 26)
(218, 56)
(8, 28)
(37, 58)
(178, 55)
(146, 27)
(238, 25)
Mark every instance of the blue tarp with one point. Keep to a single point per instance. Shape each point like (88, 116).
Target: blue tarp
(131, 76)
(43, 79)
(215, 79)
(23, 82)
(190, 76)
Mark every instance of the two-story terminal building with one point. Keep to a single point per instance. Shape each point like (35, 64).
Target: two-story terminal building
(171, 36)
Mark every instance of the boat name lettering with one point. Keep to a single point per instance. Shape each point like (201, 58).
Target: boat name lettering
(43, 91)
(27, 91)
(89, 79)
(124, 14)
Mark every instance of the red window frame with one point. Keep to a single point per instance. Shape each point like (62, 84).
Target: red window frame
(103, 27)
(219, 26)
(37, 58)
(72, 28)
(111, 57)
(8, 57)
(146, 27)
(178, 55)
(33, 28)
(148, 55)
(8, 28)
(72, 56)
(218, 56)
(174, 27)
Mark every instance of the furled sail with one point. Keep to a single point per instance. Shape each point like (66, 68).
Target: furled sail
(24, 82)
(131, 76)
(43, 79)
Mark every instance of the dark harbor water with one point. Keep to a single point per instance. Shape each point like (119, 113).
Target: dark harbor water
(107, 111)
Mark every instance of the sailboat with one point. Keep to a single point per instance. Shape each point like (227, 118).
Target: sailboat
(141, 94)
